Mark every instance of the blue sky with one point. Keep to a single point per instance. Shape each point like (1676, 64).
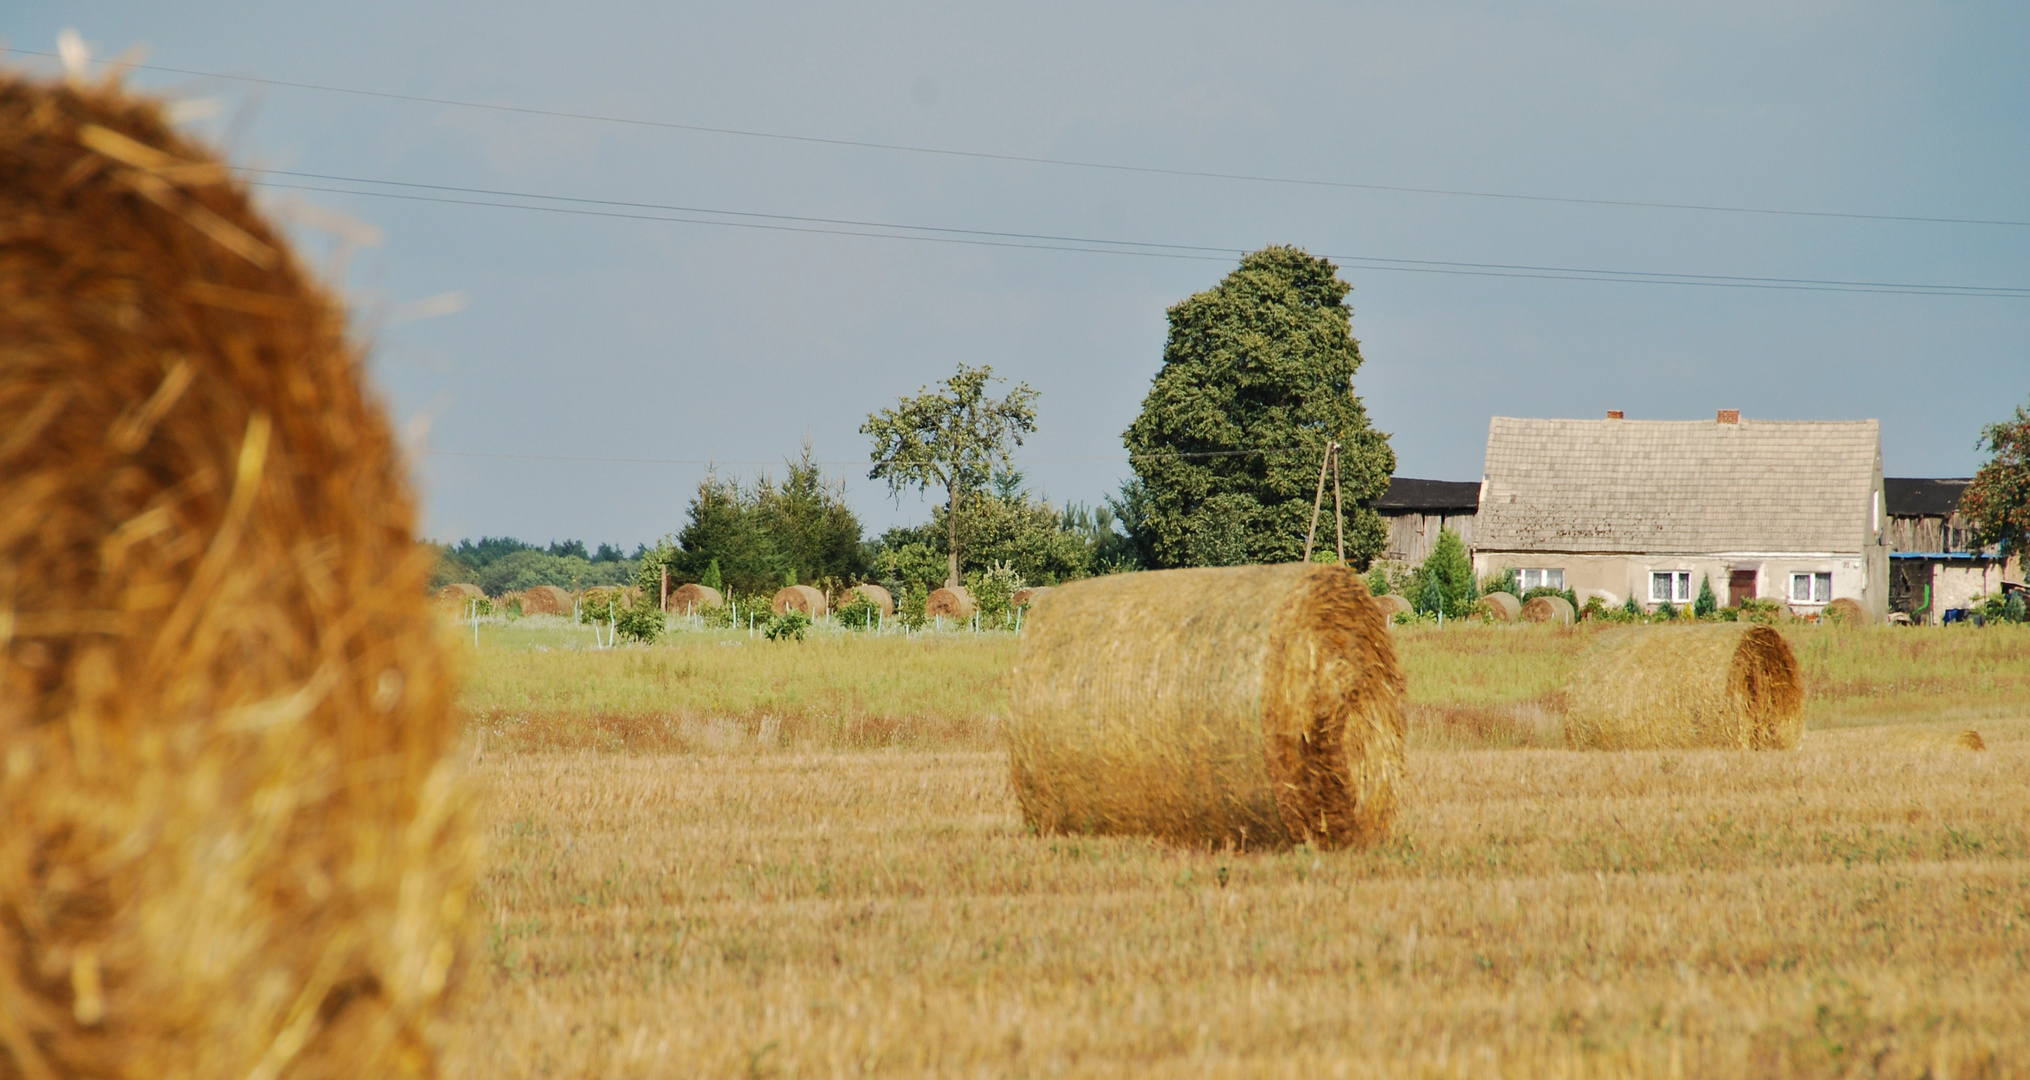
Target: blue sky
(592, 337)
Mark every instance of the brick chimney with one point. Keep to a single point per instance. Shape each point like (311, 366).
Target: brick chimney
(1614, 414)
(1729, 416)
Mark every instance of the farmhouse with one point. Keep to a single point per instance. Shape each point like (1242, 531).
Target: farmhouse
(1934, 565)
(1784, 510)
(1415, 511)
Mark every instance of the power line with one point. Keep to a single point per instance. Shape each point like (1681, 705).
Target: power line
(1089, 245)
(1073, 163)
(583, 459)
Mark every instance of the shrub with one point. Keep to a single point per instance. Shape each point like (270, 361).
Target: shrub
(994, 592)
(859, 613)
(1594, 609)
(788, 626)
(910, 609)
(641, 622)
(1761, 611)
(1706, 603)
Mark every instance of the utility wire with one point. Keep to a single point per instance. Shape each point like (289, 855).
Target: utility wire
(1073, 163)
(1163, 455)
(1088, 245)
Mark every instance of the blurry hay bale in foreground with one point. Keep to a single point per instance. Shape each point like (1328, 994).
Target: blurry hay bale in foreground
(233, 839)
(800, 598)
(1392, 605)
(546, 600)
(1548, 609)
(458, 594)
(950, 602)
(873, 594)
(1848, 611)
(693, 598)
(1504, 607)
(1255, 706)
(1719, 685)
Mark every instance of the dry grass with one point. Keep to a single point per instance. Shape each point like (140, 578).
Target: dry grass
(1725, 686)
(1832, 912)
(778, 902)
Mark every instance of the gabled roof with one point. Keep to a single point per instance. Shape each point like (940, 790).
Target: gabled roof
(1680, 487)
(1909, 496)
(1429, 496)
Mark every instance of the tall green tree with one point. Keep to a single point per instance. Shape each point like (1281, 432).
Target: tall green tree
(955, 437)
(1257, 378)
(1998, 500)
(1448, 577)
(816, 535)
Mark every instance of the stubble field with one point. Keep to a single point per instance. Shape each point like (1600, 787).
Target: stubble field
(728, 858)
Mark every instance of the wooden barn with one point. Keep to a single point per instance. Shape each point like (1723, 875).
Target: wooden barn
(1415, 511)
(1934, 564)
(1784, 510)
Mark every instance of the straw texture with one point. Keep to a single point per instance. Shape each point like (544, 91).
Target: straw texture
(458, 593)
(1548, 609)
(1848, 610)
(800, 598)
(1392, 605)
(1256, 706)
(1724, 685)
(1025, 597)
(693, 598)
(233, 839)
(874, 594)
(1504, 607)
(546, 600)
(951, 602)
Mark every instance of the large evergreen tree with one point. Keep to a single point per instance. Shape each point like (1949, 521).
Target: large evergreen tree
(1257, 378)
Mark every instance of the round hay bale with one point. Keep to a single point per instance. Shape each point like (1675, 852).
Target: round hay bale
(1503, 607)
(1252, 706)
(950, 602)
(546, 600)
(1726, 685)
(1026, 597)
(1548, 609)
(457, 594)
(1847, 611)
(694, 598)
(233, 836)
(1392, 605)
(873, 594)
(800, 598)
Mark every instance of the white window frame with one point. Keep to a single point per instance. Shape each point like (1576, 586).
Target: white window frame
(1537, 577)
(1818, 586)
(1678, 589)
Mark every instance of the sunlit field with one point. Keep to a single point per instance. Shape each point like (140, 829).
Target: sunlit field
(727, 857)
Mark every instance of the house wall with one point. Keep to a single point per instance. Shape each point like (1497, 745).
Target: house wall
(1412, 536)
(1616, 577)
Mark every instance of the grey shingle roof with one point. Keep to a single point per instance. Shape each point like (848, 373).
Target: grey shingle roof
(1671, 486)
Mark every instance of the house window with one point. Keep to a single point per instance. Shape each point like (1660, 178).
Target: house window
(1540, 579)
(1670, 586)
(1811, 588)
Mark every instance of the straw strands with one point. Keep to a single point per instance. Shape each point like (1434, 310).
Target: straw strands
(1849, 611)
(1392, 605)
(1548, 609)
(459, 593)
(235, 840)
(1731, 686)
(1501, 606)
(950, 602)
(800, 598)
(546, 600)
(873, 594)
(694, 598)
(1256, 706)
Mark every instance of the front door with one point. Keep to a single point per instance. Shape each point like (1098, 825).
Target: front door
(1740, 586)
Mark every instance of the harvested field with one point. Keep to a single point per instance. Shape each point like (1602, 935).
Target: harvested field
(825, 874)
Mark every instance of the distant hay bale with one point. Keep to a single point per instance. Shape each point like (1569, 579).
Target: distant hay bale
(1026, 597)
(602, 599)
(1724, 685)
(546, 600)
(1254, 706)
(1548, 609)
(873, 594)
(950, 602)
(1392, 605)
(694, 598)
(458, 594)
(800, 598)
(1848, 611)
(234, 841)
(1504, 607)
(1920, 737)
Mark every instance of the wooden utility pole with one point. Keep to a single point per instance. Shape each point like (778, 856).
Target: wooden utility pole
(1329, 462)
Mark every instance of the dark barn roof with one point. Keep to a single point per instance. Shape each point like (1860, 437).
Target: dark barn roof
(1910, 496)
(1430, 496)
